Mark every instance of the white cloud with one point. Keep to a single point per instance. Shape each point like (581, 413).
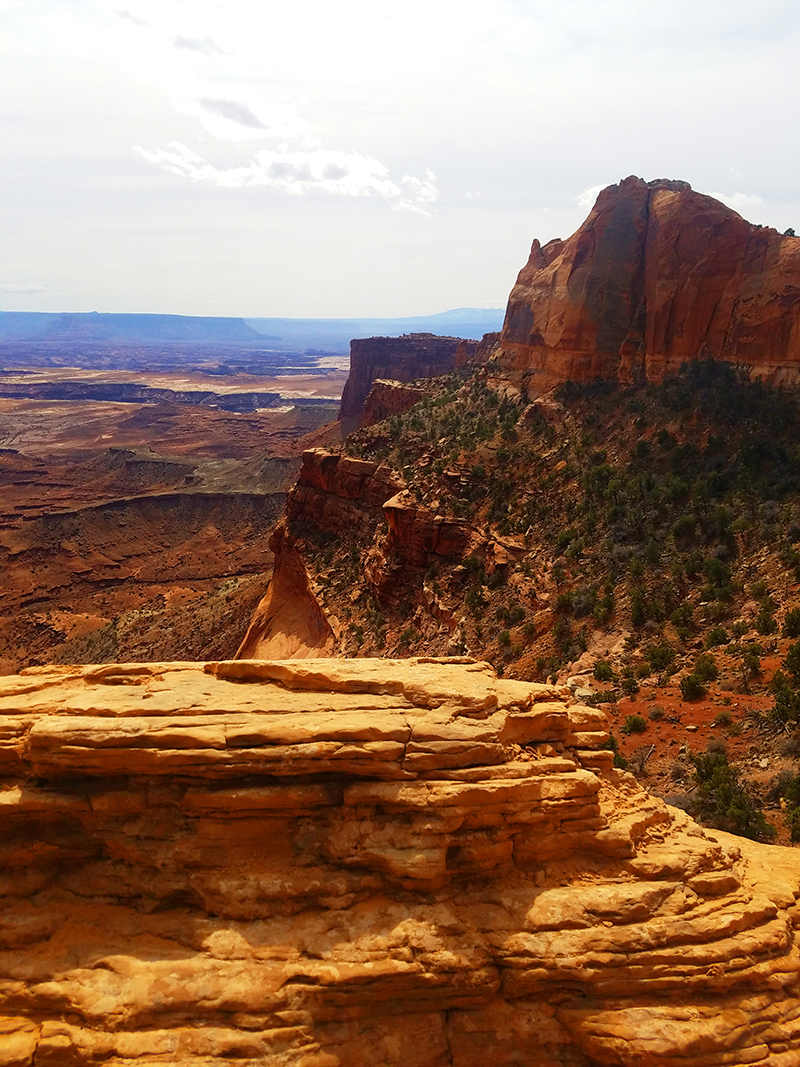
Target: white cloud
(10, 288)
(125, 14)
(741, 202)
(419, 193)
(301, 171)
(210, 61)
(204, 45)
(587, 198)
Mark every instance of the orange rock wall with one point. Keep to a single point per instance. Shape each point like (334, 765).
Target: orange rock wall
(288, 621)
(339, 495)
(657, 275)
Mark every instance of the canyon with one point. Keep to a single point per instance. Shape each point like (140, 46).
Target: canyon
(136, 506)
(365, 863)
(303, 754)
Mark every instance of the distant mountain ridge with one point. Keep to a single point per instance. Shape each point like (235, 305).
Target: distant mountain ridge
(469, 323)
(282, 334)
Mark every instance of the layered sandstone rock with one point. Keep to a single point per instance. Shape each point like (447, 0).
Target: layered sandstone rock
(657, 275)
(402, 359)
(365, 863)
(341, 496)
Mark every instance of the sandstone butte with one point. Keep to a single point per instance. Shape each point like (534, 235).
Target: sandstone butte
(656, 276)
(357, 863)
(400, 359)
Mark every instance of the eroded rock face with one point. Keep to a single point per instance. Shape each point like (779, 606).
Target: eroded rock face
(288, 621)
(414, 355)
(656, 276)
(365, 863)
(387, 398)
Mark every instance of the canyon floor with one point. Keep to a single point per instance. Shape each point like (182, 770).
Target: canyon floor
(134, 530)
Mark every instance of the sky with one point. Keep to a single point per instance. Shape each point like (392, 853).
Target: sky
(318, 159)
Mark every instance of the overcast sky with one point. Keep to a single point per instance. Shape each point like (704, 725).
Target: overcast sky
(357, 158)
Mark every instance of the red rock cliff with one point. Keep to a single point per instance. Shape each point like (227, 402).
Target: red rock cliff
(415, 355)
(656, 276)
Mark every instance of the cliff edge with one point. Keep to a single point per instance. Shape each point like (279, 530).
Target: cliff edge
(359, 863)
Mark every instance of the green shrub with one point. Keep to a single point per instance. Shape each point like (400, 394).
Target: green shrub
(682, 616)
(706, 667)
(692, 688)
(791, 820)
(406, 637)
(685, 528)
(564, 601)
(638, 613)
(660, 657)
(619, 760)
(791, 624)
(634, 724)
(504, 637)
(656, 713)
(751, 660)
(723, 800)
(603, 671)
(630, 686)
(717, 635)
(766, 623)
(791, 661)
(475, 601)
(724, 718)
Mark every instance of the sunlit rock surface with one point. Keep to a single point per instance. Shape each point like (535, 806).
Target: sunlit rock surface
(356, 863)
(656, 276)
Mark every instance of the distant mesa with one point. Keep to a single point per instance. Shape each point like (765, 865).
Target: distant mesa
(94, 326)
(658, 275)
(335, 335)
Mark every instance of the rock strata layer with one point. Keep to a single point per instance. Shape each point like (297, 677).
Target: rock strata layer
(656, 276)
(357, 863)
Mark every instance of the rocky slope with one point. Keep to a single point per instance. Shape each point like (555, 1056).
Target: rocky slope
(366, 863)
(640, 543)
(656, 276)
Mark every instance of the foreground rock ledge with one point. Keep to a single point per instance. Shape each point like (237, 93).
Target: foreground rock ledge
(364, 863)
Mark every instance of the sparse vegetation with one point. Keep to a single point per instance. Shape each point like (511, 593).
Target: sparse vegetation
(692, 687)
